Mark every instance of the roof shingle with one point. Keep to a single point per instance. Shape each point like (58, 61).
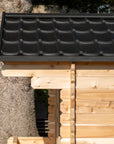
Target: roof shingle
(54, 37)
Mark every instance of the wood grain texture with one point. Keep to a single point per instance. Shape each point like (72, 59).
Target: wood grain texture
(51, 116)
(34, 69)
(89, 119)
(90, 109)
(44, 76)
(89, 103)
(65, 94)
(39, 140)
(99, 96)
(16, 140)
(94, 101)
(89, 141)
(89, 131)
(56, 82)
(32, 140)
(95, 69)
(72, 105)
(91, 71)
(105, 95)
(97, 83)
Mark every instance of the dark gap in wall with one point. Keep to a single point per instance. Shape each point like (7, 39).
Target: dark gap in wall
(41, 111)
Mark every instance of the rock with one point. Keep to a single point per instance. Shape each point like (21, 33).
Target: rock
(53, 9)
(39, 9)
(15, 6)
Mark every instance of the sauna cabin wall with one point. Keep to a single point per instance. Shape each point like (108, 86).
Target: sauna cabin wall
(94, 105)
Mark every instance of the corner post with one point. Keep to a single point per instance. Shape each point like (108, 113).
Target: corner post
(72, 104)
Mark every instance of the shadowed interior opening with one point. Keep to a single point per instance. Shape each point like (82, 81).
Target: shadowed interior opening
(41, 111)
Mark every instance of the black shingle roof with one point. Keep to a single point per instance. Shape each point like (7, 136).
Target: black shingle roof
(57, 37)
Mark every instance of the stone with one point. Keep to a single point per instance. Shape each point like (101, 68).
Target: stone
(15, 6)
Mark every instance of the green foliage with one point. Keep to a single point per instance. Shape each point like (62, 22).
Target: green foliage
(90, 6)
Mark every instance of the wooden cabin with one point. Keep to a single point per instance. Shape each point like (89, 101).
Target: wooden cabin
(73, 56)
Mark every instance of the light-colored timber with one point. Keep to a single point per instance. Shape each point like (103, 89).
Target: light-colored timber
(32, 140)
(50, 82)
(94, 100)
(89, 119)
(63, 94)
(99, 96)
(96, 83)
(50, 75)
(39, 140)
(72, 106)
(89, 140)
(89, 131)
(35, 69)
(16, 140)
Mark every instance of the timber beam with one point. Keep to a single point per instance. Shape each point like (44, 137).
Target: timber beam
(43, 76)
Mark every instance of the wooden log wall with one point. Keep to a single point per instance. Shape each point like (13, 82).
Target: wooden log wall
(41, 140)
(94, 105)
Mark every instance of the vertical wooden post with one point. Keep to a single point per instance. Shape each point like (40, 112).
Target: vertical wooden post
(72, 106)
(51, 115)
(15, 140)
(57, 118)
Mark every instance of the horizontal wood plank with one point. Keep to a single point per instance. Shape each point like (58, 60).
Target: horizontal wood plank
(32, 140)
(91, 71)
(96, 83)
(35, 72)
(84, 110)
(96, 91)
(89, 140)
(50, 82)
(95, 103)
(95, 69)
(88, 103)
(89, 110)
(50, 76)
(32, 69)
(89, 119)
(40, 140)
(103, 110)
(89, 131)
(105, 96)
